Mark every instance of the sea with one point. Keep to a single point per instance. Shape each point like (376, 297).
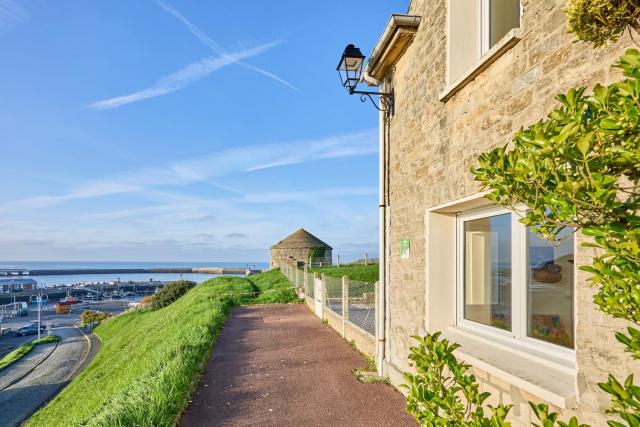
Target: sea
(74, 279)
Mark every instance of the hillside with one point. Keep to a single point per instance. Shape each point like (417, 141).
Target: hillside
(149, 360)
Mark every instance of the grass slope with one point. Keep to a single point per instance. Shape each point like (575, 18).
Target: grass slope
(274, 288)
(363, 273)
(149, 360)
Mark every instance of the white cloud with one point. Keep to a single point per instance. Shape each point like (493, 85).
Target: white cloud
(182, 78)
(222, 163)
(11, 12)
(309, 195)
(215, 47)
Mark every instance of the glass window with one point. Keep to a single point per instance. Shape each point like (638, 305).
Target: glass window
(513, 282)
(504, 15)
(550, 289)
(487, 271)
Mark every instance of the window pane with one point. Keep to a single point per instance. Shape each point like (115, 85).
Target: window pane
(487, 271)
(550, 290)
(504, 16)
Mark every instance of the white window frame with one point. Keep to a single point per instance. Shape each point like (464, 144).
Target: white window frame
(484, 26)
(517, 336)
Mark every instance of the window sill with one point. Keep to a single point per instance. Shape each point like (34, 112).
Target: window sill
(550, 381)
(499, 49)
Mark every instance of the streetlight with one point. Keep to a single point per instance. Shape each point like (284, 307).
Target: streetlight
(38, 298)
(350, 71)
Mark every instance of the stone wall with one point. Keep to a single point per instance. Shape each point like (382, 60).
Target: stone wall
(281, 256)
(434, 144)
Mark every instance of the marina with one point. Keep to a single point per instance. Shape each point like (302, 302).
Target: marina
(97, 282)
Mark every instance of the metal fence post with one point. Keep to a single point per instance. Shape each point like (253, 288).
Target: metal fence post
(323, 291)
(305, 281)
(376, 312)
(345, 302)
(317, 296)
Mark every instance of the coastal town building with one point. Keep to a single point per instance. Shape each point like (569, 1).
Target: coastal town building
(300, 247)
(465, 76)
(16, 284)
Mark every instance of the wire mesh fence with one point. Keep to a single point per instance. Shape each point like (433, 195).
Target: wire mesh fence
(309, 290)
(358, 306)
(300, 278)
(362, 305)
(333, 294)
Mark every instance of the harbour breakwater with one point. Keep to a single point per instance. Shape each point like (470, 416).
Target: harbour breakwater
(203, 270)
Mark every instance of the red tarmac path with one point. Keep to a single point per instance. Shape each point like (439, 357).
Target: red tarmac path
(278, 365)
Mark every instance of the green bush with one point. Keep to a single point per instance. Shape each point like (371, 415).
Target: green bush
(441, 393)
(601, 21)
(93, 317)
(171, 292)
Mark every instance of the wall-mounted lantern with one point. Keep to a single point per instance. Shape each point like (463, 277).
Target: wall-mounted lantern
(350, 71)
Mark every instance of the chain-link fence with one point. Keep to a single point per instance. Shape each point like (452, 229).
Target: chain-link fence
(333, 294)
(362, 305)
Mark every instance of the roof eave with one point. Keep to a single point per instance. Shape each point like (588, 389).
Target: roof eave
(392, 44)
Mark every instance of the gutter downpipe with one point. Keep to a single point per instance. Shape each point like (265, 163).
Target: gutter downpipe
(382, 291)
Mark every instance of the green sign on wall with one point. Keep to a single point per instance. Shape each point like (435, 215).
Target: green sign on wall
(405, 247)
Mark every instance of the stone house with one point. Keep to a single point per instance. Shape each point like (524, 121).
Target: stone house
(301, 247)
(466, 75)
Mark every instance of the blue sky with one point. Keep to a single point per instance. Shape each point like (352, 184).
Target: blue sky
(183, 130)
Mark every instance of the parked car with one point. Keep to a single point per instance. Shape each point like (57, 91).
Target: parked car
(30, 329)
(34, 323)
(70, 300)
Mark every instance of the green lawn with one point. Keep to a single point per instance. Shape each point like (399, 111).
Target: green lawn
(274, 288)
(149, 361)
(363, 273)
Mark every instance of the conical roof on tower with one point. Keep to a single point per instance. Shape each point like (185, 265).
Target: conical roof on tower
(301, 239)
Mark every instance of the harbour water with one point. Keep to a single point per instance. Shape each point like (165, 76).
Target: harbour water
(72, 279)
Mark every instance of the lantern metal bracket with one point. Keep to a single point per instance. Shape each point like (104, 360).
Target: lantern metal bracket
(384, 104)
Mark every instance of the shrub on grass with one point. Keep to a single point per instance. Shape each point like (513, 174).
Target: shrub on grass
(146, 301)
(89, 317)
(171, 292)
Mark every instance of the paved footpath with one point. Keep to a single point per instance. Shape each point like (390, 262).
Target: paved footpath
(278, 365)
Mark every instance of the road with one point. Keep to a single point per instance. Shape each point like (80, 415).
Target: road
(9, 341)
(29, 383)
(21, 399)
